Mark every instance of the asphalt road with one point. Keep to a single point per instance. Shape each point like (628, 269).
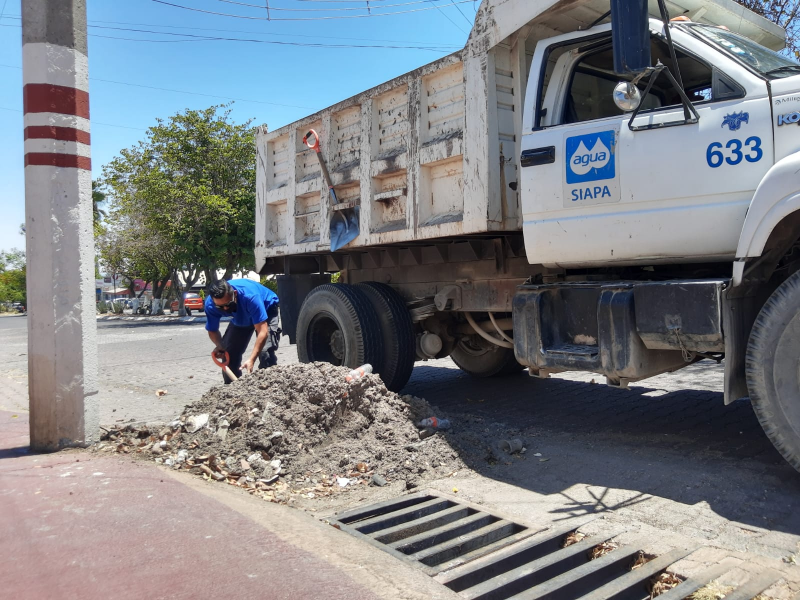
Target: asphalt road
(665, 454)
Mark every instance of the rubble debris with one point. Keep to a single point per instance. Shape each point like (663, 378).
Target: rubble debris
(196, 422)
(573, 538)
(663, 583)
(602, 549)
(298, 432)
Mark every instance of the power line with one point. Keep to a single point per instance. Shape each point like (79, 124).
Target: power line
(187, 37)
(446, 16)
(329, 37)
(92, 122)
(283, 9)
(458, 8)
(151, 87)
(303, 44)
(399, 12)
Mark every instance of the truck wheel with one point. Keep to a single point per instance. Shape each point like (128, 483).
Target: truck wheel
(773, 369)
(479, 359)
(338, 325)
(397, 333)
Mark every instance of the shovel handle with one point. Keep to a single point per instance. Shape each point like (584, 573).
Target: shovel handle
(229, 373)
(220, 363)
(313, 145)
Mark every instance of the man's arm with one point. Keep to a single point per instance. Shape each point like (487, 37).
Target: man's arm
(262, 333)
(217, 339)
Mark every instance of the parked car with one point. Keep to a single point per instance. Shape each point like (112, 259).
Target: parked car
(191, 301)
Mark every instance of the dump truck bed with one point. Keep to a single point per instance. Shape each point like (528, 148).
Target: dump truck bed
(421, 155)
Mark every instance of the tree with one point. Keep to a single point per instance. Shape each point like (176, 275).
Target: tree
(191, 185)
(98, 197)
(13, 276)
(783, 13)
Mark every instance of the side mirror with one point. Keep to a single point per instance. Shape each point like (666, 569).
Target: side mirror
(630, 32)
(627, 96)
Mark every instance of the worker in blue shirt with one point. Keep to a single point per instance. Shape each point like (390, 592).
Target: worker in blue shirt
(253, 308)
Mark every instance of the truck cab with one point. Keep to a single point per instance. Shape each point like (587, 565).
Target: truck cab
(656, 188)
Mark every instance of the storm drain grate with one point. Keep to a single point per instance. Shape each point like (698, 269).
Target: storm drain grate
(482, 556)
(433, 532)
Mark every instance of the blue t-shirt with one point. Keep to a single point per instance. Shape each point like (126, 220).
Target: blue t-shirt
(252, 300)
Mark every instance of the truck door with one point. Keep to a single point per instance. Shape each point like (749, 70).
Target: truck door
(611, 194)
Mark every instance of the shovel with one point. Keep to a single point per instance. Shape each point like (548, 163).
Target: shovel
(344, 222)
(224, 364)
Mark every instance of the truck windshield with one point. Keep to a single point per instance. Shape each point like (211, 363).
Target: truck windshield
(765, 61)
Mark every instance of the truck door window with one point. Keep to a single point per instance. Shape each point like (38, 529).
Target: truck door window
(589, 95)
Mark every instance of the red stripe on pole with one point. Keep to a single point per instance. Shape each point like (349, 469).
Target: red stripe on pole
(64, 134)
(44, 97)
(52, 159)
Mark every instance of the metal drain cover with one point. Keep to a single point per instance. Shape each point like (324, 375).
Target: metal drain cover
(434, 532)
(482, 556)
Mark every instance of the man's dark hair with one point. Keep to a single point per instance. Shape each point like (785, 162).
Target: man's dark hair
(218, 289)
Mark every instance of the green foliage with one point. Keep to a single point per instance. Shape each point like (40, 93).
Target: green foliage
(270, 282)
(13, 276)
(335, 277)
(183, 199)
(98, 197)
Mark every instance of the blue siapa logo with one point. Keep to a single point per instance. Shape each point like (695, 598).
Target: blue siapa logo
(590, 157)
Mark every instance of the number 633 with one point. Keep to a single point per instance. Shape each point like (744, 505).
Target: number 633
(752, 146)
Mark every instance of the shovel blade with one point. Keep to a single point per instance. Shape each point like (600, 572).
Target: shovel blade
(344, 227)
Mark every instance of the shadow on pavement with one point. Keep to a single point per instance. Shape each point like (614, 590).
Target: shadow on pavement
(685, 445)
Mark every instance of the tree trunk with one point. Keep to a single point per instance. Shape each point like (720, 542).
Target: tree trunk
(158, 290)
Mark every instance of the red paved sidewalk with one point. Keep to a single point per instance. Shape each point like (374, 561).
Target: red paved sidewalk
(76, 525)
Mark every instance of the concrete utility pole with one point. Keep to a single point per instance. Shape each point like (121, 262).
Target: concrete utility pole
(62, 328)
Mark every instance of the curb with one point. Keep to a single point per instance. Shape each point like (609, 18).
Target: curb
(156, 319)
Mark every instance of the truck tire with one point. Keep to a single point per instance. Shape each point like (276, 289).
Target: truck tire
(397, 332)
(773, 369)
(337, 324)
(479, 360)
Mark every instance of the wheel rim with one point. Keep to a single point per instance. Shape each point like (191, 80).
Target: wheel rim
(325, 340)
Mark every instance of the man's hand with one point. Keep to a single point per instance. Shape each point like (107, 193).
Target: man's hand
(249, 365)
(219, 352)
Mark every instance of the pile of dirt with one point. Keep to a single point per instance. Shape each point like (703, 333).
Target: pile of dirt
(299, 428)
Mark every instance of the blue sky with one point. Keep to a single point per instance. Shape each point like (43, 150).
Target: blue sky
(280, 82)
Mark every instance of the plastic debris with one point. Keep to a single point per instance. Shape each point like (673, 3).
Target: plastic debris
(359, 372)
(196, 422)
(434, 423)
(510, 446)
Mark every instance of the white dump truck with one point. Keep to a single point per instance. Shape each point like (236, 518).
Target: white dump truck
(586, 186)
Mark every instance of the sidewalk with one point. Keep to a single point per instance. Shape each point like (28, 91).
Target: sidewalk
(76, 525)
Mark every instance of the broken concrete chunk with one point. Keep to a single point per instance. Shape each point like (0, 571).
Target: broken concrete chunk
(222, 430)
(196, 422)
(378, 480)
